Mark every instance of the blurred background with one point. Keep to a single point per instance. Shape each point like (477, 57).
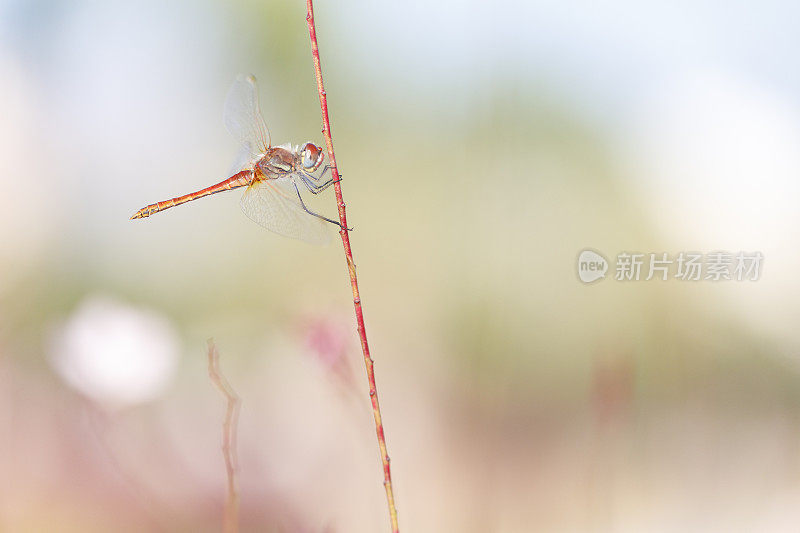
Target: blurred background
(483, 146)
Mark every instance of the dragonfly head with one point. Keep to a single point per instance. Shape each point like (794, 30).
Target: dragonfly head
(311, 156)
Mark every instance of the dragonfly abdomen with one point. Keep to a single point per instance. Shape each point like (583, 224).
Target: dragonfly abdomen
(240, 179)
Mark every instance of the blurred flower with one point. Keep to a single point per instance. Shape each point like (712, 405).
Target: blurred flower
(114, 353)
(326, 338)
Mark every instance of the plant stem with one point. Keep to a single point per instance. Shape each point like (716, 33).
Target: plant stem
(229, 428)
(351, 266)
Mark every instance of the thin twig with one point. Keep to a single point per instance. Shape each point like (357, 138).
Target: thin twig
(351, 267)
(229, 429)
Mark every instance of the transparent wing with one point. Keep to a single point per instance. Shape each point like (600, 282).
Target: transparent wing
(243, 160)
(273, 203)
(243, 116)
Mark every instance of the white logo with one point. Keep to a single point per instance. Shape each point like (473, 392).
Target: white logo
(685, 266)
(591, 266)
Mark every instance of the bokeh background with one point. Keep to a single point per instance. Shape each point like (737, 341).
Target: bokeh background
(483, 146)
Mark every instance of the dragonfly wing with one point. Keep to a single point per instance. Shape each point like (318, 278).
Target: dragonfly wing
(242, 161)
(274, 204)
(243, 116)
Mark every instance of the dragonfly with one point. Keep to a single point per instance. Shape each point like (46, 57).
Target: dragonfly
(272, 175)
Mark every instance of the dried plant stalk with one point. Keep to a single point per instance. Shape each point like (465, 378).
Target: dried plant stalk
(351, 266)
(229, 430)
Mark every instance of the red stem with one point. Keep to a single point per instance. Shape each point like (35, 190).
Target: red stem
(351, 266)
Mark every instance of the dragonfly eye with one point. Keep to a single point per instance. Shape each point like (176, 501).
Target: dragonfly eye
(312, 156)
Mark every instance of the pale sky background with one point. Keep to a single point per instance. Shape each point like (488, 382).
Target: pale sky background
(695, 100)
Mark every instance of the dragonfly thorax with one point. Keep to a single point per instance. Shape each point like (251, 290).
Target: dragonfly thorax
(285, 160)
(277, 161)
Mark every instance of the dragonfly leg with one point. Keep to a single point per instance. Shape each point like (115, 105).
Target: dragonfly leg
(317, 178)
(314, 189)
(310, 212)
(324, 171)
